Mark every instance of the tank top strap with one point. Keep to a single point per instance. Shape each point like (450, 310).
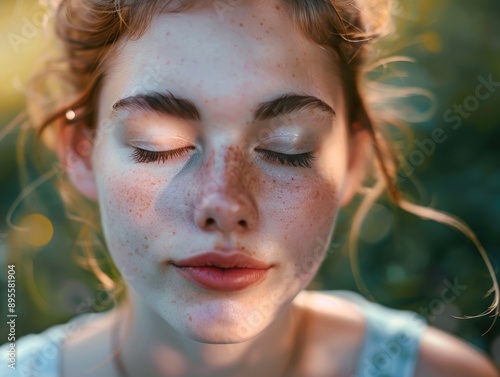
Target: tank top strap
(392, 339)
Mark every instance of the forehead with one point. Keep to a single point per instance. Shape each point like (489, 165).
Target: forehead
(249, 53)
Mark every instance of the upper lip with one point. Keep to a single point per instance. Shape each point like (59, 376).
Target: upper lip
(213, 259)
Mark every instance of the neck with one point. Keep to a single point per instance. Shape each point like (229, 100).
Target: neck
(150, 346)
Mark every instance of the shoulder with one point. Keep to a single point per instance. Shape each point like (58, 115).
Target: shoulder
(38, 355)
(334, 332)
(354, 336)
(33, 354)
(88, 351)
(443, 355)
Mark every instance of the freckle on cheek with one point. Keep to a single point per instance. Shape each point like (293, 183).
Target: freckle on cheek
(129, 211)
(132, 197)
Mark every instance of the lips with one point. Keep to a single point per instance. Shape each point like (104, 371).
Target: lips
(220, 272)
(213, 259)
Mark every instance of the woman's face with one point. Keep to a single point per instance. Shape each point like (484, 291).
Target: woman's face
(222, 192)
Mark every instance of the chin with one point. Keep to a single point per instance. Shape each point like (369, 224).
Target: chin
(222, 335)
(222, 330)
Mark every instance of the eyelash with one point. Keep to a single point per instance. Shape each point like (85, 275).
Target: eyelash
(302, 160)
(145, 156)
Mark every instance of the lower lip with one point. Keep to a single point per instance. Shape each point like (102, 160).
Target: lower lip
(218, 279)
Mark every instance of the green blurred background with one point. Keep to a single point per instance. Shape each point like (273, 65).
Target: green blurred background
(406, 262)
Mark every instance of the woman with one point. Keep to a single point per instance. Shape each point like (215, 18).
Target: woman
(220, 140)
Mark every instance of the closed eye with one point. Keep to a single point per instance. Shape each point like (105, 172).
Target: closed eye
(144, 156)
(302, 160)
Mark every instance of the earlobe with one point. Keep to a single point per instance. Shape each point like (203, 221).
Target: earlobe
(359, 152)
(74, 150)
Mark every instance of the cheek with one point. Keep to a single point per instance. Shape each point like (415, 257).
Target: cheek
(127, 215)
(128, 198)
(317, 213)
(312, 219)
(304, 212)
(312, 195)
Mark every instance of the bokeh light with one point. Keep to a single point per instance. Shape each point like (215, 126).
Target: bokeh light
(377, 225)
(395, 274)
(432, 41)
(37, 230)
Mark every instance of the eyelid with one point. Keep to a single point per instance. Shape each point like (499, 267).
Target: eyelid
(299, 140)
(285, 137)
(149, 127)
(140, 155)
(169, 143)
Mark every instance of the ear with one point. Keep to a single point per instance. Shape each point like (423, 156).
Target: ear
(358, 154)
(74, 150)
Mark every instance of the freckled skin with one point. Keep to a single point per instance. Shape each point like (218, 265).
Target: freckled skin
(228, 194)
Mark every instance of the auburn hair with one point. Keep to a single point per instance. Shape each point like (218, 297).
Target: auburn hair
(88, 31)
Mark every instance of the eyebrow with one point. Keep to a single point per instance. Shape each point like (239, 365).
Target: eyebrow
(163, 103)
(289, 103)
(170, 104)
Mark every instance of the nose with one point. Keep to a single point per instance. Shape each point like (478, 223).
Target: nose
(225, 201)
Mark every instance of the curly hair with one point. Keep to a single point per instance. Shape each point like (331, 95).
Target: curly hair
(88, 32)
